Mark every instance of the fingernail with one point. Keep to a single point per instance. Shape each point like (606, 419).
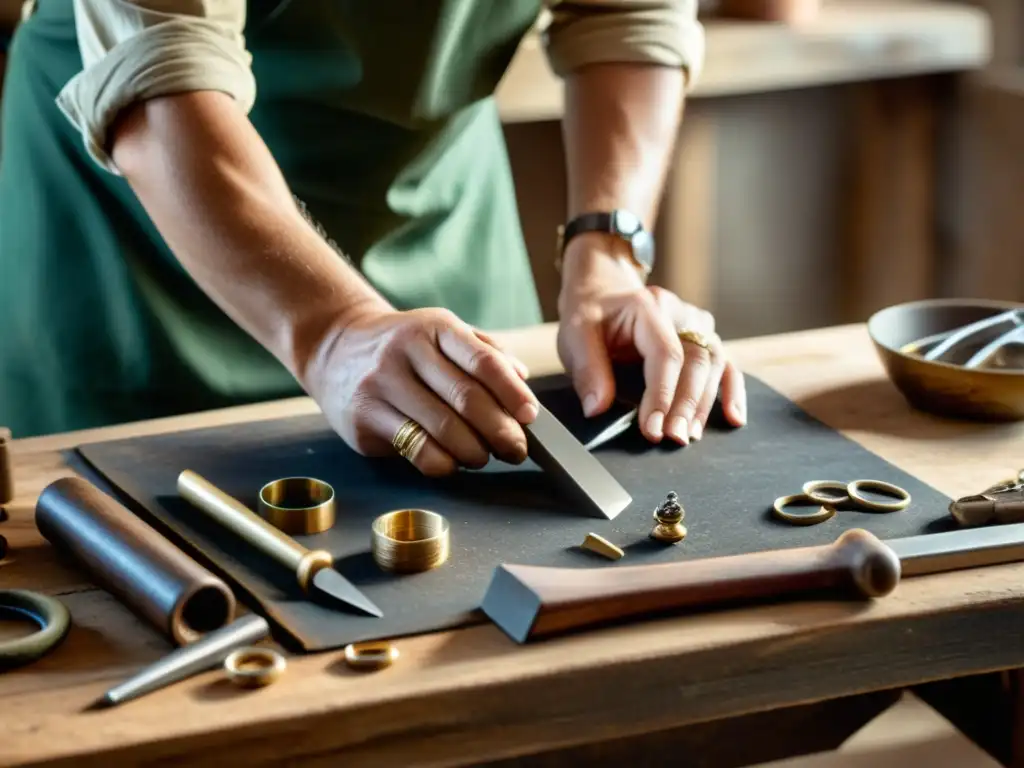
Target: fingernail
(527, 413)
(696, 430)
(739, 412)
(677, 429)
(654, 423)
(590, 404)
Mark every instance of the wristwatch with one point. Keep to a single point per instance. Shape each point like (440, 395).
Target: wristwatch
(620, 223)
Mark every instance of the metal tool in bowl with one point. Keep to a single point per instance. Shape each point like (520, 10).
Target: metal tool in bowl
(985, 393)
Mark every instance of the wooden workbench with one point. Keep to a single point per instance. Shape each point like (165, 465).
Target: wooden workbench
(614, 696)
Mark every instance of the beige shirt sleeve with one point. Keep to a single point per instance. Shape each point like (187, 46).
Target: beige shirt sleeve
(665, 32)
(139, 49)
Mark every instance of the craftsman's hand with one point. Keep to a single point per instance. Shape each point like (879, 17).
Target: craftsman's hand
(609, 316)
(383, 367)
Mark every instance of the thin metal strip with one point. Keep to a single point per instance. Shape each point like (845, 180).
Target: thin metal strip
(960, 549)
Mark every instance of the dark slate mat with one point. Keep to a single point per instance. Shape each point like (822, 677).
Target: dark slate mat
(502, 514)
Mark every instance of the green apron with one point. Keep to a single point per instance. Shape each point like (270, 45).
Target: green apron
(382, 118)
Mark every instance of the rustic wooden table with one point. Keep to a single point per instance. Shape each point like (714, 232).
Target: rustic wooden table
(729, 688)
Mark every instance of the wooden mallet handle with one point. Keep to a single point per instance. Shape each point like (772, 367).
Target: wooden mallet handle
(530, 602)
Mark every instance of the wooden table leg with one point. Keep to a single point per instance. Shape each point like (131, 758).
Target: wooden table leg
(987, 709)
(740, 741)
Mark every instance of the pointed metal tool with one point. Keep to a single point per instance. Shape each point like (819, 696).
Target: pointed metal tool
(201, 655)
(313, 569)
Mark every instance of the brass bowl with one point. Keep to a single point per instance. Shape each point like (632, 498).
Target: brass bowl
(984, 394)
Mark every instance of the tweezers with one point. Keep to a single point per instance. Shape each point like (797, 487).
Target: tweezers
(1001, 503)
(942, 346)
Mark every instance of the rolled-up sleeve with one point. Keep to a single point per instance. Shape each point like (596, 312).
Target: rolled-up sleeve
(664, 32)
(134, 50)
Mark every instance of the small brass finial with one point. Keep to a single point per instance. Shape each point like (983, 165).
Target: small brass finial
(668, 518)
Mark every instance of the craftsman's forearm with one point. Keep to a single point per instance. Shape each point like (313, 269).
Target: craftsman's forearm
(218, 198)
(620, 127)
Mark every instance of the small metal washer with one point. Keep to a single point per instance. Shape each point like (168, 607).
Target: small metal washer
(376, 654)
(812, 489)
(254, 667)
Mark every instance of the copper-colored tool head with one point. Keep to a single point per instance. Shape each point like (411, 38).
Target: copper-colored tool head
(989, 394)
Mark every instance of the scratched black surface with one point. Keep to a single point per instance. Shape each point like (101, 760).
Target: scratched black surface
(501, 514)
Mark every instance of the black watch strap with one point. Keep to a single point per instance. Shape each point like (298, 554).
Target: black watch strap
(619, 223)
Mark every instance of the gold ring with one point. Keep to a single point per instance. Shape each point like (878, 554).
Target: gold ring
(812, 490)
(372, 655)
(408, 439)
(825, 512)
(854, 490)
(694, 337)
(298, 505)
(410, 540)
(254, 667)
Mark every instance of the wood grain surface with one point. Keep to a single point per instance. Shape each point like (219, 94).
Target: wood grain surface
(473, 695)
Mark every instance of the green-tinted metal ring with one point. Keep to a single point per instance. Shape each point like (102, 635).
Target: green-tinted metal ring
(50, 614)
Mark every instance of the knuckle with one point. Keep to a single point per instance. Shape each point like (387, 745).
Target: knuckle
(446, 426)
(688, 404)
(662, 397)
(461, 395)
(672, 352)
(484, 363)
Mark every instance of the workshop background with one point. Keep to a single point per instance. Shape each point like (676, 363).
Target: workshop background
(844, 156)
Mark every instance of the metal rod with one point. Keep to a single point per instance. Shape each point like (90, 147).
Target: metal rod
(188, 660)
(960, 549)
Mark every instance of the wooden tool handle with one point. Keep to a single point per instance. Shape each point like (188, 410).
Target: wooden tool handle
(529, 602)
(241, 520)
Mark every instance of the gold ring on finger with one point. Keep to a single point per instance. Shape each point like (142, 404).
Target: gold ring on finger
(688, 335)
(408, 439)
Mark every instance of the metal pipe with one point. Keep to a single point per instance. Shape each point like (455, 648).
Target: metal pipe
(132, 561)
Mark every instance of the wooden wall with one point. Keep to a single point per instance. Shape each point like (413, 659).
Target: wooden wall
(765, 198)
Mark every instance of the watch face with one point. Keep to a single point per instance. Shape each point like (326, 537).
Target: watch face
(643, 249)
(626, 223)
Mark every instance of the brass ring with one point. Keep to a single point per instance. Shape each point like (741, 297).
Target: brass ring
(854, 490)
(410, 540)
(254, 667)
(298, 505)
(825, 512)
(694, 337)
(373, 655)
(812, 490)
(408, 439)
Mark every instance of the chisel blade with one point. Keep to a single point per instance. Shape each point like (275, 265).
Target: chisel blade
(330, 585)
(580, 475)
